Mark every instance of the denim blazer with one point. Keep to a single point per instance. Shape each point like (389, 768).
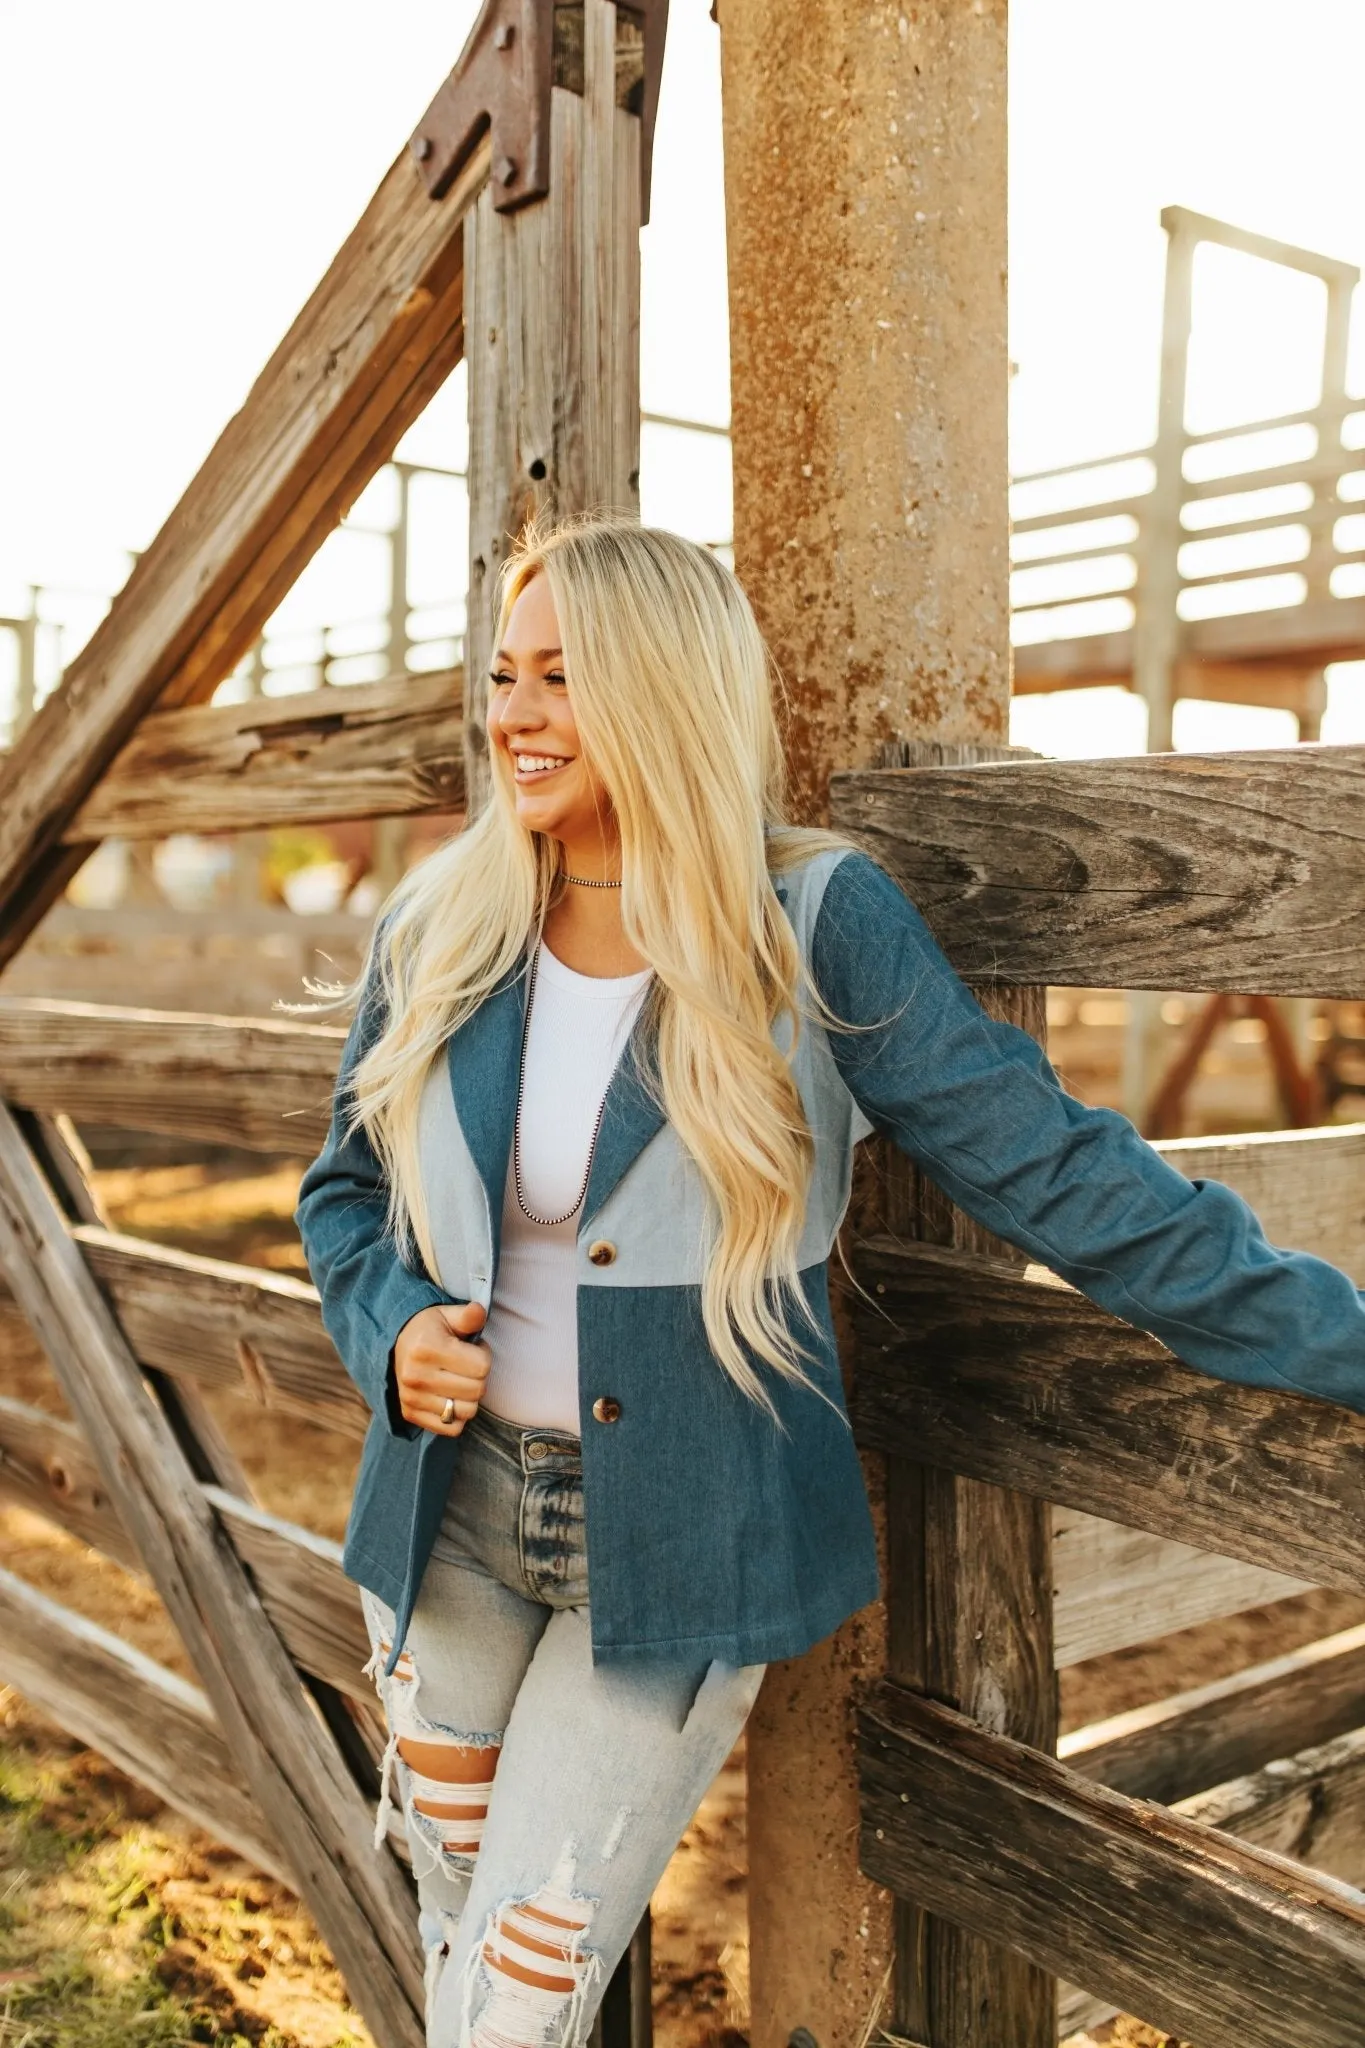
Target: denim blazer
(713, 1530)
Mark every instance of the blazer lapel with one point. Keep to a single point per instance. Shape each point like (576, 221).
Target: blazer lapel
(632, 1114)
(630, 1117)
(482, 1058)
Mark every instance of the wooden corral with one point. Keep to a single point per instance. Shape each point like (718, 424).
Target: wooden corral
(998, 1408)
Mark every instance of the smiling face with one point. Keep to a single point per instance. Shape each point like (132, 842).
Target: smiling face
(531, 724)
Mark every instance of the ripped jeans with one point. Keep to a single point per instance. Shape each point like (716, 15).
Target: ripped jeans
(543, 1795)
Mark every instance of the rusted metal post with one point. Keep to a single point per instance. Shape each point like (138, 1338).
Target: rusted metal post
(865, 193)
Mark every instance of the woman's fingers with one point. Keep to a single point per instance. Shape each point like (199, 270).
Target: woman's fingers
(438, 1369)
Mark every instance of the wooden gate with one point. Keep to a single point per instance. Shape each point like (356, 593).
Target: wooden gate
(507, 233)
(1229, 1912)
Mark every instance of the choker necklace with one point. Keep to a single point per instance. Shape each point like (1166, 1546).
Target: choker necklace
(585, 881)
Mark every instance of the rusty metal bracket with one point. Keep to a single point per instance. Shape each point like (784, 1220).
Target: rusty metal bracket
(502, 82)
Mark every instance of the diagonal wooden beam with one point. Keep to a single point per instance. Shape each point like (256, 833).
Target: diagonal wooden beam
(144, 1718)
(374, 342)
(359, 1898)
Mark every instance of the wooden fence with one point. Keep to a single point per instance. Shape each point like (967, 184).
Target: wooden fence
(993, 1391)
(1229, 1912)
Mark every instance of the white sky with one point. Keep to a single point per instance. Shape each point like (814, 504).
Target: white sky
(174, 180)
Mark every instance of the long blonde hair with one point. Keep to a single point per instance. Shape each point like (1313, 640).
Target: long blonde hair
(672, 690)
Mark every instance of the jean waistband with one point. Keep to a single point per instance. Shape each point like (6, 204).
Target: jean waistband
(530, 1448)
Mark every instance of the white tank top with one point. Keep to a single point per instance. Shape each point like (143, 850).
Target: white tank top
(577, 1031)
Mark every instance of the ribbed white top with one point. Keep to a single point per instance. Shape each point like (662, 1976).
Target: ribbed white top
(578, 1029)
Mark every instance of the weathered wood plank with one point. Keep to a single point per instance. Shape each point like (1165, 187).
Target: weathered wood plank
(1310, 1806)
(144, 1718)
(1202, 871)
(1116, 1586)
(552, 310)
(376, 750)
(1010, 1376)
(1175, 1748)
(1307, 1187)
(280, 1744)
(1210, 1938)
(374, 342)
(969, 1600)
(303, 1589)
(224, 1325)
(259, 1082)
(46, 1465)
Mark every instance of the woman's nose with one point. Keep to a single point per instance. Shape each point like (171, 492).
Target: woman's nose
(519, 709)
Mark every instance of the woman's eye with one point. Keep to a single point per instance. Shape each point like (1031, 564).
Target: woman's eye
(555, 675)
(500, 679)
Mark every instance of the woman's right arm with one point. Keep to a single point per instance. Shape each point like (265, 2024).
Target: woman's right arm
(368, 1293)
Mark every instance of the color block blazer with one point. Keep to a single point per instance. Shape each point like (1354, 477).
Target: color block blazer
(712, 1531)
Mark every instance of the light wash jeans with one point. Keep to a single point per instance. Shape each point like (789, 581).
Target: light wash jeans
(531, 1885)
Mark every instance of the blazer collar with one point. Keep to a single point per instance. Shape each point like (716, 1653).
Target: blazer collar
(631, 1116)
(483, 1060)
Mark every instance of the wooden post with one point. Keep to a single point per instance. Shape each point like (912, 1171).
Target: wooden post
(552, 331)
(865, 190)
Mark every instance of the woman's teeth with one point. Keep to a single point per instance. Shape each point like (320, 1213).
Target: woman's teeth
(538, 764)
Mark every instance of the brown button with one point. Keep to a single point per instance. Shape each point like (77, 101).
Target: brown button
(602, 1253)
(605, 1409)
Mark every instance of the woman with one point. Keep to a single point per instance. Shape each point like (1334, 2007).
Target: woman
(592, 1142)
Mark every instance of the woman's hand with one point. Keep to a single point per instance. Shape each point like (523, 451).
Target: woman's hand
(434, 1362)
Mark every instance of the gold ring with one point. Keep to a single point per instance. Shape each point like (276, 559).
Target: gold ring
(448, 1412)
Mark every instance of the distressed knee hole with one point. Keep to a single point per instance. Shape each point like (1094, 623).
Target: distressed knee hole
(534, 1970)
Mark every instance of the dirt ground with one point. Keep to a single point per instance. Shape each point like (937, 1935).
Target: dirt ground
(121, 1923)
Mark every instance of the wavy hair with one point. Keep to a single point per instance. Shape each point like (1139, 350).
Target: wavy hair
(672, 690)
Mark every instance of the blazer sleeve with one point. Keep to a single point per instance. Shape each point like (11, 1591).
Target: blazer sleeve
(367, 1291)
(978, 1106)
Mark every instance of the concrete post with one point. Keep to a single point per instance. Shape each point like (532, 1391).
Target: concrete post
(865, 196)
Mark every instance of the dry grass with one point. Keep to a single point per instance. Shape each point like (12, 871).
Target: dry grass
(121, 1926)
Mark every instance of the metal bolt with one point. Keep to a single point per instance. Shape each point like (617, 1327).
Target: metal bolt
(502, 35)
(504, 170)
(421, 147)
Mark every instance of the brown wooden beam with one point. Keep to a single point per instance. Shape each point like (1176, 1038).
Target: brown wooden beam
(145, 1719)
(372, 345)
(208, 1321)
(1310, 1806)
(377, 750)
(288, 1759)
(47, 1467)
(1214, 871)
(259, 1082)
(1008, 1375)
(1193, 1931)
(1173, 1748)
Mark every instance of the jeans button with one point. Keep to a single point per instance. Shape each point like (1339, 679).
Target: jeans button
(605, 1409)
(537, 1451)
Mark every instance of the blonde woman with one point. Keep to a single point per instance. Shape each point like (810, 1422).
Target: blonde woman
(593, 1135)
